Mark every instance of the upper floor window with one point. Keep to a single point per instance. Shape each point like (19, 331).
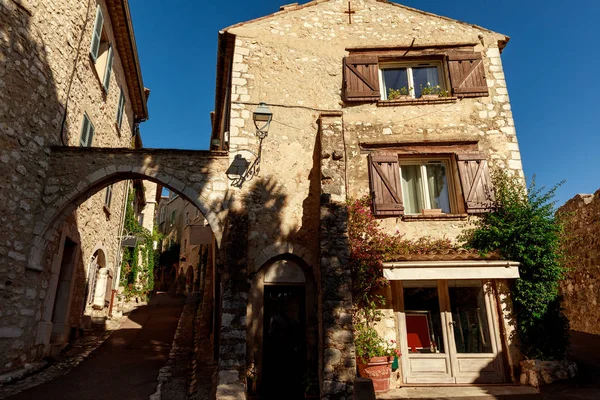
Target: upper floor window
(87, 132)
(403, 185)
(101, 50)
(173, 217)
(369, 77)
(411, 80)
(120, 109)
(161, 215)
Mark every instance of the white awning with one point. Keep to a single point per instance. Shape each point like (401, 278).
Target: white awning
(471, 269)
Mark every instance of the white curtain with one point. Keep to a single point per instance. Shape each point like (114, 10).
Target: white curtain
(411, 189)
(438, 187)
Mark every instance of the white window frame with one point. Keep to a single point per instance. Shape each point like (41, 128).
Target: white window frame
(409, 66)
(450, 180)
(88, 135)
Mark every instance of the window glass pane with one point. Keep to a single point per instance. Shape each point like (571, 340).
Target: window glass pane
(469, 316)
(395, 79)
(423, 77)
(412, 194)
(423, 320)
(437, 186)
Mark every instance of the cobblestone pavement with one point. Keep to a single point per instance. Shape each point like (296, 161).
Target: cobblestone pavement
(120, 364)
(75, 353)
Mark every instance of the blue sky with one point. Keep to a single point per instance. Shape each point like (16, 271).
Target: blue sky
(549, 66)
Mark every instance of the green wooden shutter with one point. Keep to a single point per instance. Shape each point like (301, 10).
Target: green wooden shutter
(120, 109)
(108, 70)
(85, 127)
(97, 34)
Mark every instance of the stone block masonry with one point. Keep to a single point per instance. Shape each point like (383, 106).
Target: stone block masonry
(581, 287)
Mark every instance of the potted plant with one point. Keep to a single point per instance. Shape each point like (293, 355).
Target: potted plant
(251, 380)
(311, 385)
(429, 92)
(374, 355)
(399, 94)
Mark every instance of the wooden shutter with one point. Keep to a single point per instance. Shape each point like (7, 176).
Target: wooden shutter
(361, 79)
(384, 177)
(467, 75)
(108, 70)
(84, 131)
(120, 109)
(97, 34)
(476, 182)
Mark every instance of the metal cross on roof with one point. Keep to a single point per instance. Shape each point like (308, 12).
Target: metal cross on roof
(350, 12)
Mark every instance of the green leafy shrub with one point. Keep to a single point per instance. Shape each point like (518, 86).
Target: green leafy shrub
(522, 227)
(394, 94)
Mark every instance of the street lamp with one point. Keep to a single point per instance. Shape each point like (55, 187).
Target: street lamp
(262, 119)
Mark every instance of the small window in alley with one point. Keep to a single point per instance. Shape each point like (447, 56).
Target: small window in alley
(173, 218)
(101, 50)
(108, 196)
(425, 186)
(404, 80)
(87, 132)
(120, 109)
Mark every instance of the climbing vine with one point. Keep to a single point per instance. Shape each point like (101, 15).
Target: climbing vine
(137, 278)
(522, 227)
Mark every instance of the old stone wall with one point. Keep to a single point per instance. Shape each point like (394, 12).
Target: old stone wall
(581, 287)
(47, 82)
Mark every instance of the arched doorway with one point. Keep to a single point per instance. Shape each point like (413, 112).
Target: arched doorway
(284, 327)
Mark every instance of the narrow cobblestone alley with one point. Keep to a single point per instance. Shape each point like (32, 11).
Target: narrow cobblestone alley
(126, 365)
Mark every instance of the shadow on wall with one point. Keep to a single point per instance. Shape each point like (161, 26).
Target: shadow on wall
(31, 119)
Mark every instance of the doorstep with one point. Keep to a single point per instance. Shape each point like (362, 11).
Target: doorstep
(467, 392)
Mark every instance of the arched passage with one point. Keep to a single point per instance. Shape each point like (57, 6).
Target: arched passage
(197, 176)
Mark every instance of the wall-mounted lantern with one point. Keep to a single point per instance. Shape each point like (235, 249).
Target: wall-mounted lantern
(262, 119)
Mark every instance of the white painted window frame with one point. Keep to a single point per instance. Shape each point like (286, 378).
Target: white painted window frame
(409, 65)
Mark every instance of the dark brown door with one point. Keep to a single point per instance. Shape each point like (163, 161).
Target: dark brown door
(284, 342)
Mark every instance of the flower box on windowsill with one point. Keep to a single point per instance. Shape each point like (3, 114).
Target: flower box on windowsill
(412, 101)
(404, 97)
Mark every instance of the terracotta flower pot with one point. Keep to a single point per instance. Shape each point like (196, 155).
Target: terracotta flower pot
(378, 369)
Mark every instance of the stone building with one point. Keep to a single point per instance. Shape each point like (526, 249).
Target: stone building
(69, 76)
(183, 225)
(581, 287)
(350, 90)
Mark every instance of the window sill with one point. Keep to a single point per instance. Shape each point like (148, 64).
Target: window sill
(410, 102)
(435, 217)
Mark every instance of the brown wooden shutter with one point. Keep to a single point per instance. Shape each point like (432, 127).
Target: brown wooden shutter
(361, 79)
(384, 174)
(476, 182)
(467, 75)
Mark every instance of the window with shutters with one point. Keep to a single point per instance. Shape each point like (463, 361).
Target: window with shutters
(429, 186)
(411, 79)
(425, 186)
(452, 74)
(173, 213)
(87, 132)
(101, 50)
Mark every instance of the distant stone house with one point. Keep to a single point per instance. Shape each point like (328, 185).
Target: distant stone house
(348, 89)
(69, 76)
(580, 289)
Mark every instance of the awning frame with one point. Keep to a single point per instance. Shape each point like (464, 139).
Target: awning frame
(456, 269)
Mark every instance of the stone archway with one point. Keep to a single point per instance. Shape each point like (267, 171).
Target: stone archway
(77, 173)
